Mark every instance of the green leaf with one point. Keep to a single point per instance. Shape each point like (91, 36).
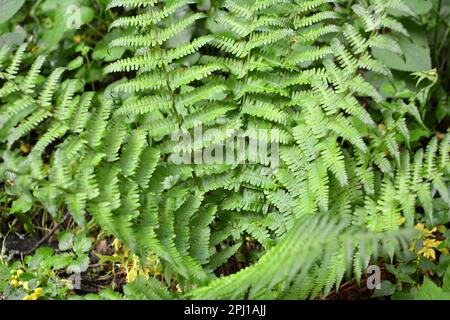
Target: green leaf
(446, 280)
(15, 37)
(430, 291)
(87, 14)
(23, 204)
(75, 63)
(416, 58)
(387, 289)
(416, 52)
(79, 265)
(82, 244)
(57, 262)
(65, 241)
(406, 278)
(419, 6)
(8, 8)
(41, 254)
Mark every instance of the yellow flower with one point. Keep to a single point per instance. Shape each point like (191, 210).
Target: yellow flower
(117, 245)
(420, 226)
(382, 128)
(425, 231)
(25, 285)
(428, 253)
(431, 243)
(132, 275)
(25, 148)
(133, 272)
(126, 252)
(32, 296)
(19, 272)
(428, 249)
(402, 220)
(14, 283)
(39, 292)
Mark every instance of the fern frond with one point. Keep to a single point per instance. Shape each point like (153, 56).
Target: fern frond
(131, 3)
(16, 61)
(156, 36)
(132, 150)
(342, 126)
(334, 160)
(152, 17)
(50, 87)
(302, 22)
(29, 83)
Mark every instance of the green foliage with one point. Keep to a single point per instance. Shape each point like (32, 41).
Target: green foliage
(141, 289)
(40, 276)
(9, 8)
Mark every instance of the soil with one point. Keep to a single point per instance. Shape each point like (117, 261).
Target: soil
(18, 243)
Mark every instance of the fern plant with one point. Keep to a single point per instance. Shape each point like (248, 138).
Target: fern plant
(60, 117)
(348, 184)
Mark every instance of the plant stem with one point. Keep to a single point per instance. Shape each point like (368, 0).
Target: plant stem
(436, 31)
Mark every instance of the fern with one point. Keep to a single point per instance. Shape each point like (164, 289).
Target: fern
(298, 70)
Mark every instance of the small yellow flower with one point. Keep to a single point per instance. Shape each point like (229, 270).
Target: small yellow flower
(428, 253)
(25, 148)
(428, 249)
(402, 220)
(14, 283)
(117, 245)
(132, 275)
(420, 226)
(25, 285)
(19, 272)
(39, 292)
(32, 296)
(126, 252)
(382, 128)
(427, 233)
